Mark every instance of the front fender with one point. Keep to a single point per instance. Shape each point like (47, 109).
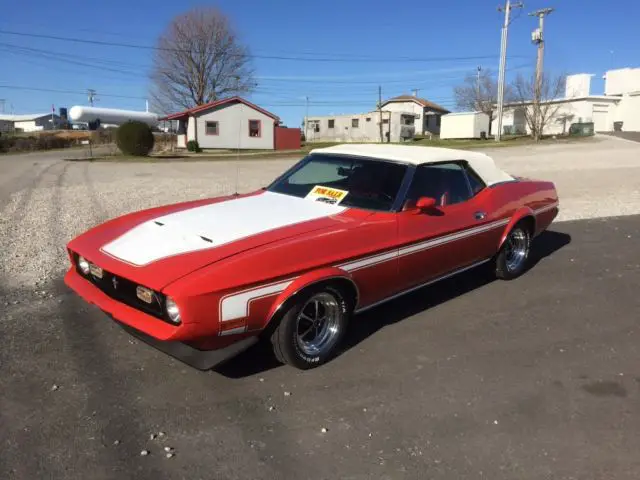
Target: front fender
(307, 280)
(521, 213)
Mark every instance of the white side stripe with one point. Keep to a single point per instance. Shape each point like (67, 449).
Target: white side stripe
(453, 237)
(233, 331)
(546, 209)
(417, 247)
(369, 261)
(237, 305)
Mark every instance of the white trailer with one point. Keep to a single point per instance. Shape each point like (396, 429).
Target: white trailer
(464, 125)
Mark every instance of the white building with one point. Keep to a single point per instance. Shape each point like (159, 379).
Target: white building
(427, 113)
(233, 123)
(34, 122)
(464, 125)
(621, 103)
(361, 127)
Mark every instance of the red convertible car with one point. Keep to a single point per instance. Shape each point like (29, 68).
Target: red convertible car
(345, 229)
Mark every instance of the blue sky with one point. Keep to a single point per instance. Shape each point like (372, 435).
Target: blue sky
(583, 36)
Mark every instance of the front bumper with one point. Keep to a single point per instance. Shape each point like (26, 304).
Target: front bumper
(200, 359)
(131, 316)
(167, 338)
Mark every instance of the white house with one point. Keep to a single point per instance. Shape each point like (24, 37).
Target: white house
(233, 123)
(360, 127)
(621, 103)
(427, 113)
(33, 122)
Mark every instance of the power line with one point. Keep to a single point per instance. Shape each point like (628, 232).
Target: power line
(72, 92)
(267, 57)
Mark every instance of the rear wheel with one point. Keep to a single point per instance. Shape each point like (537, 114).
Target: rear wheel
(311, 329)
(511, 260)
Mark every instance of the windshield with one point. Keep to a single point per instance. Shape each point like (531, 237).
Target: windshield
(354, 182)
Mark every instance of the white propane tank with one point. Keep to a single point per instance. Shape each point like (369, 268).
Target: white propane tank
(113, 116)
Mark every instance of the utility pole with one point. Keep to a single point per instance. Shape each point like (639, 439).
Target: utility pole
(306, 120)
(503, 60)
(91, 93)
(537, 37)
(415, 91)
(478, 88)
(380, 110)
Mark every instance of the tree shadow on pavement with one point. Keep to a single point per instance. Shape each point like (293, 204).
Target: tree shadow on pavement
(259, 358)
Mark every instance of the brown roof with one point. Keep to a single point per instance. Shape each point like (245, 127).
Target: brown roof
(420, 101)
(215, 103)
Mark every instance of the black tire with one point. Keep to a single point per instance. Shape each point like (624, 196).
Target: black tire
(285, 339)
(518, 239)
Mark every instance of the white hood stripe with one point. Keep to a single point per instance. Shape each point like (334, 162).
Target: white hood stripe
(214, 225)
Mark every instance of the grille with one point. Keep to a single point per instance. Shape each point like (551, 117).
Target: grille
(124, 291)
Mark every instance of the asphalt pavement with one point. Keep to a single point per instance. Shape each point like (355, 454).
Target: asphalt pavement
(467, 379)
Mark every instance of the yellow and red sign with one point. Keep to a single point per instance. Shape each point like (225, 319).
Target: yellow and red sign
(326, 194)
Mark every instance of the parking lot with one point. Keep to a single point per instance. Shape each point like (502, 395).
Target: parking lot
(470, 378)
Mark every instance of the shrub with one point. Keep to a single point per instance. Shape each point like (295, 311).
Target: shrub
(135, 138)
(193, 146)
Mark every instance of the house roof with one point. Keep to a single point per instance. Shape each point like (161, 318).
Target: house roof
(482, 164)
(25, 117)
(595, 98)
(420, 101)
(216, 103)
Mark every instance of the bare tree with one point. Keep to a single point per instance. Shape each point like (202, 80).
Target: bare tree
(199, 59)
(539, 114)
(480, 96)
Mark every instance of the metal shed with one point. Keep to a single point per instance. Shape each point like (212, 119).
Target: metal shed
(464, 125)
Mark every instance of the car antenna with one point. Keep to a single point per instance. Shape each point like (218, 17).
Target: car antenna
(239, 140)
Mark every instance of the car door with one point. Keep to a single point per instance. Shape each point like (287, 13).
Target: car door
(444, 238)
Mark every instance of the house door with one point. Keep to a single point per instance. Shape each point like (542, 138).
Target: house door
(600, 117)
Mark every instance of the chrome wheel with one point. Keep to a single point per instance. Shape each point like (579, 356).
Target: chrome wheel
(516, 249)
(318, 324)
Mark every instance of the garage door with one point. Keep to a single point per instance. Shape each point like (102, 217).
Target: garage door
(600, 119)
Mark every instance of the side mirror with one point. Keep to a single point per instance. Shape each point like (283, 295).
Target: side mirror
(425, 203)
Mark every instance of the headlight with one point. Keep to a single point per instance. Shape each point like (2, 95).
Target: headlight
(83, 264)
(173, 312)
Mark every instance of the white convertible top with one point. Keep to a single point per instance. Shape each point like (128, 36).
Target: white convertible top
(482, 164)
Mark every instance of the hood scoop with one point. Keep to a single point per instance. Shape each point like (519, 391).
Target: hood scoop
(201, 236)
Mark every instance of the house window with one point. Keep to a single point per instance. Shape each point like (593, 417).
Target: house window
(355, 123)
(331, 123)
(368, 119)
(385, 121)
(255, 128)
(211, 128)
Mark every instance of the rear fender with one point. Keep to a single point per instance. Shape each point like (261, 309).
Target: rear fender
(307, 280)
(524, 212)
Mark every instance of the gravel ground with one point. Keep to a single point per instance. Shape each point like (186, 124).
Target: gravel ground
(46, 201)
(535, 378)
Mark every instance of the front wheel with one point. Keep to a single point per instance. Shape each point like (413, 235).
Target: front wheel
(311, 329)
(511, 260)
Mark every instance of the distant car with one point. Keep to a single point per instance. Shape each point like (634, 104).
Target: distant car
(345, 229)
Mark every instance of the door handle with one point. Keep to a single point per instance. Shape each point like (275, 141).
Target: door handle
(479, 215)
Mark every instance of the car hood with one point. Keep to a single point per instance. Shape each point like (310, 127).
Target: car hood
(168, 244)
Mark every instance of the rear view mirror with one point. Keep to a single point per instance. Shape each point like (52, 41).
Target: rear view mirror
(425, 203)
